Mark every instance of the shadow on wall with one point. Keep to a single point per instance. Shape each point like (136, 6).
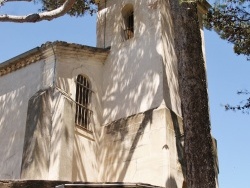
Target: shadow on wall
(179, 141)
(134, 84)
(84, 163)
(48, 132)
(170, 87)
(123, 146)
(16, 89)
(36, 148)
(133, 70)
(171, 183)
(142, 69)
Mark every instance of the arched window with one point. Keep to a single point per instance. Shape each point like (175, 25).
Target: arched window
(83, 98)
(128, 19)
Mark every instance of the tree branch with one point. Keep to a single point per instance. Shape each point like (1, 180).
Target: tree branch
(16, 0)
(2, 2)
(36, 17)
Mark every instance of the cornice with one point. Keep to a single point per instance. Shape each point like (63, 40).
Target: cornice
(203, 7)
(49, 49)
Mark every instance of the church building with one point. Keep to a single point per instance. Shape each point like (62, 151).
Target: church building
(110, 113)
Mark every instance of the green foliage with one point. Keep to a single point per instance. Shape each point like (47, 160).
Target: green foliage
(231, 20)
(244, 105)
(79, 8)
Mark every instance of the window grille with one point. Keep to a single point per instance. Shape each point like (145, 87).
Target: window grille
(129, 30)
(83, 97)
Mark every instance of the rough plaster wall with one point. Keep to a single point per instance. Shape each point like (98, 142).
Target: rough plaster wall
(58, 183)
(84, 165)
(133, 71)
(141, 148)
(170, 66)
(16, 90)
(36, 151)
(49, 137)
(110, 21)
(62, 139)
(68, 67)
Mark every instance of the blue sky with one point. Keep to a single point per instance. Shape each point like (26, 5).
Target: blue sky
(227, 73)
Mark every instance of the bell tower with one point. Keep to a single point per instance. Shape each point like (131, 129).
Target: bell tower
(141, 102)
(141, 36)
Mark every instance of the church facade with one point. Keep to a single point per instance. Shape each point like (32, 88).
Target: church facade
(109, 113)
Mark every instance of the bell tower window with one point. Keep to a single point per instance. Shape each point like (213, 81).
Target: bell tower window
(128, 21)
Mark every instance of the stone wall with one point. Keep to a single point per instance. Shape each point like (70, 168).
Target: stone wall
(30, 183)
(143, 147)
(51, 184)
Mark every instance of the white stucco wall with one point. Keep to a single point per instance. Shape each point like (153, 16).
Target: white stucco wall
(59, 67)
(170, 63)
(140, 73)
(84, 157)
(69, 66)
(132, 76)
(16, 90)
(142, 148)
(85, 165)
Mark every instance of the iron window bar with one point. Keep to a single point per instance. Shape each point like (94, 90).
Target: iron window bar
(129, 33)
(129, 30)
(88, 88)
(83, 120)
(83, 98)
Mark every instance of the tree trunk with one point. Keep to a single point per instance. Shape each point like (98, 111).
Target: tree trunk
(200, 172)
